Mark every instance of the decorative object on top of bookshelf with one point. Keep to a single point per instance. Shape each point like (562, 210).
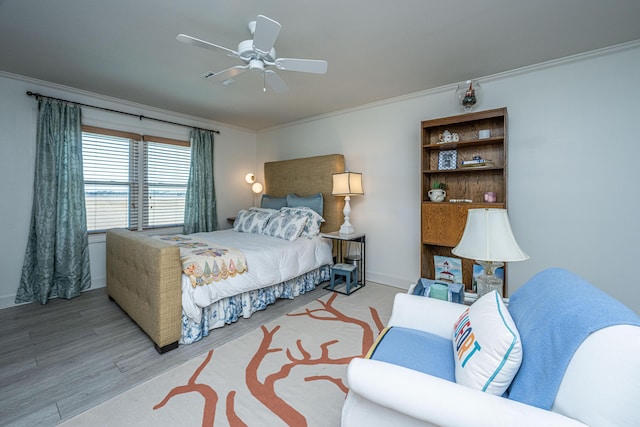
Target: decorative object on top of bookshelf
(447, 159)
(467, 94)
(488, 239)
(448, 269)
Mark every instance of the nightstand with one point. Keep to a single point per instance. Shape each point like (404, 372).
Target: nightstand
(347, 254)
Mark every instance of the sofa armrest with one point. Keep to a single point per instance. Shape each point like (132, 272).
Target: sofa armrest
(425, 314)
(442, 402)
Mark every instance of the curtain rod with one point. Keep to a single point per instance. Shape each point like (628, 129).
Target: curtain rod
(37, 96)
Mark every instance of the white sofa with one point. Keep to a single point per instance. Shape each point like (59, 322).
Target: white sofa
(600, 387)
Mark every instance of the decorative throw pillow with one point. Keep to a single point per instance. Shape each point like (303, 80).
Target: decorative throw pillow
(315, 202)
(273, 212)
(251, 221)
(314, 220)
(486, 346)
(271, 202)
(286, 226)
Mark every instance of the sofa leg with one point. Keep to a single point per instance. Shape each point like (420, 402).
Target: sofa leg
(166, 348)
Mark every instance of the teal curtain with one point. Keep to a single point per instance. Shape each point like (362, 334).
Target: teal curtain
(200, 203)
(56, 262)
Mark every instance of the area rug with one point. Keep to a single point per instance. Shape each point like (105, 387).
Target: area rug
(289, 372)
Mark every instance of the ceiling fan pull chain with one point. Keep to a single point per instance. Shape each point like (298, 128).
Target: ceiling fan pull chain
(264, 82)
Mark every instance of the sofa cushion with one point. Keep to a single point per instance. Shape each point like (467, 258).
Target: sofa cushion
(486, 345)
(414, 349)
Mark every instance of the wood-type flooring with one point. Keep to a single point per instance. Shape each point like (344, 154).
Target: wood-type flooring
(62, 358)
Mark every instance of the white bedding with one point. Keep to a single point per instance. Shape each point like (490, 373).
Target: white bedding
(270, 260)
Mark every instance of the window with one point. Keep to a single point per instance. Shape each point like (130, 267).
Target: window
(133, 181)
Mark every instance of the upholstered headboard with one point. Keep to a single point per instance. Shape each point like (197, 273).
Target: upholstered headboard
(305, 177)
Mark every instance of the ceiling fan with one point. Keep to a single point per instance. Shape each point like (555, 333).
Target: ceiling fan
(258, 55)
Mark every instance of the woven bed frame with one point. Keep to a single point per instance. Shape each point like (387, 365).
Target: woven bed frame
(144, 274)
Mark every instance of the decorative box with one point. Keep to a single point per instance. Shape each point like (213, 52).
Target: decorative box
(423, 288)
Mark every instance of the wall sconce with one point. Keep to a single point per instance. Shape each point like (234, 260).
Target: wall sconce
(256, 187)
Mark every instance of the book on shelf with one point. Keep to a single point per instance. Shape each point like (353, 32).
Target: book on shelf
(476, 163)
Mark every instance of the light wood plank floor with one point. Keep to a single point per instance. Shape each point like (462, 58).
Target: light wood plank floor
(60, 359)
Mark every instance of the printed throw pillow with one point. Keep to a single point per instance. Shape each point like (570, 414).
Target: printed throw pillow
(252, 221)
(273, 212)
(314, 220)
(486, 346)
(286, 226)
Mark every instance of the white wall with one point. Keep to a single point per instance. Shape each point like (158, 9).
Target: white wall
(573, 153)
(235, 151)
(572, 177)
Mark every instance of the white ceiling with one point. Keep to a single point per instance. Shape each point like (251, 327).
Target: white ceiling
(375, 49)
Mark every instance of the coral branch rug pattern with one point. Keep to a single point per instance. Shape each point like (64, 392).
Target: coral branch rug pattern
(289, 372)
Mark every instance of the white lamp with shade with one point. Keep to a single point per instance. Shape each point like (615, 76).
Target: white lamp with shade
(347, 184)
(488, 239)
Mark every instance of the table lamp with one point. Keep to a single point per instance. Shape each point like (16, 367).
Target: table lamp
(488, 239)
(347, 184)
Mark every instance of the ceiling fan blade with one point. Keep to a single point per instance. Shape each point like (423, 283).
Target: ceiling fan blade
(275, 82)
(204, 44)
(227, 74)
(317, 66)
(265, 35)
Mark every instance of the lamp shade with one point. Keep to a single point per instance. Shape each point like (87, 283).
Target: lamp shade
(347, 184)
(488, 237)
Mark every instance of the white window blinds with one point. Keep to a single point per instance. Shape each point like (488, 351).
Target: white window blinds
(133, 181)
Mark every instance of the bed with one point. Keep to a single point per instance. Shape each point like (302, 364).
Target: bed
(145, 274)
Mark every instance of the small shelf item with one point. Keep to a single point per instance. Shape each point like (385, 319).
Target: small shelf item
(447, 159)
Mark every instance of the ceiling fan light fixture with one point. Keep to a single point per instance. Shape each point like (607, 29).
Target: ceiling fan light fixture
(256, 64)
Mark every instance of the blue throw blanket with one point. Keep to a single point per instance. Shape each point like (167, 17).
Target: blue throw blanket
(555, 311)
